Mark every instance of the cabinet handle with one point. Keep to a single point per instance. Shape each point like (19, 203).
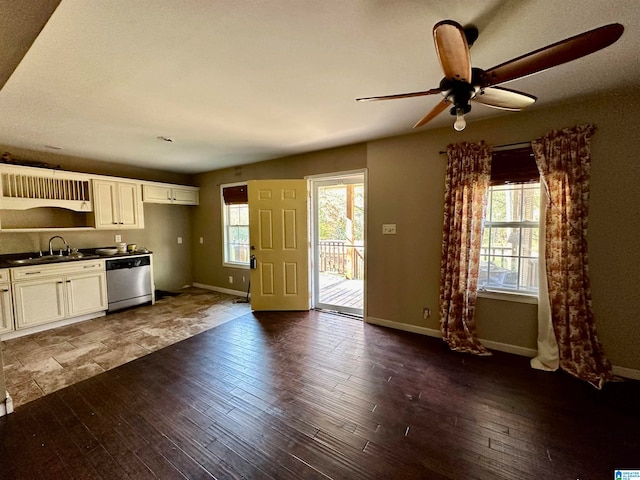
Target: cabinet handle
(60, 283)
(90, 266)
(32, 273)
(5, 289)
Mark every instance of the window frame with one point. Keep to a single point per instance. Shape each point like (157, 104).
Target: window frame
(522, 176)
(225, 228)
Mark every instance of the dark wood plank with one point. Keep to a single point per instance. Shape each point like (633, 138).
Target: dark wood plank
(311, 395)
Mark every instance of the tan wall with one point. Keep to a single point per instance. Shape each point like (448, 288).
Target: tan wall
(163, 223)
(207, 257)
(406, 187)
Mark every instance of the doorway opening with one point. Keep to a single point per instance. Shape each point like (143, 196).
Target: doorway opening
(339, 242)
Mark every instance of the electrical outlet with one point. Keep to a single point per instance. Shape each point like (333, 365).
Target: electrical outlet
(426, 312)
(243, 279)
(201, 239)
(118, 238)
(179, 239)
(389, 229)
(230, 279)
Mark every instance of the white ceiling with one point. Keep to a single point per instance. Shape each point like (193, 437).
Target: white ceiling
(238, 81)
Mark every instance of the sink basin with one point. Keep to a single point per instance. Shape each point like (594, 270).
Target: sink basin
(51, 259)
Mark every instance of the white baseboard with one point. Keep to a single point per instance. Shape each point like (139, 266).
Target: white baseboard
(501, 347)
(432, 332)
(507, 348)
(626, 372)
(238, 293)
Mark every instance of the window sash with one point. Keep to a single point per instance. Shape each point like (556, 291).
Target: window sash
(509, 269)
(234, 247)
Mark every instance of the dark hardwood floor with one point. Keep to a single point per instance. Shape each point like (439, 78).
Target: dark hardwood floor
(317, 396)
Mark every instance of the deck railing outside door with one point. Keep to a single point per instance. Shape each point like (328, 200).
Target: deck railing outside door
(337, 256)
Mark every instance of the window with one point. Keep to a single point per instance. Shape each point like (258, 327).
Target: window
(510, 237)
(235, 217)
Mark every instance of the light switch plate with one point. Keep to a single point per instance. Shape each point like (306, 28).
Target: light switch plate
(389, 229)
(118, 238)
(179, 239)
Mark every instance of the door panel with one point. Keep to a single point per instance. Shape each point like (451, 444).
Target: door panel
(289, 222)
(266, 229)
(290, 279)
(278, 232)
(267, 280)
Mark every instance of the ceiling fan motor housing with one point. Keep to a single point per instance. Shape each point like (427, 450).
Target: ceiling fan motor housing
(458, 93)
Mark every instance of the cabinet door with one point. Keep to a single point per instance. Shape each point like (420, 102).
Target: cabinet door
(86, 293)
(117, 205)
(156, 194)
(185, 196)
(128, 204)
(105, 196)
(39, 301)
(6, 309)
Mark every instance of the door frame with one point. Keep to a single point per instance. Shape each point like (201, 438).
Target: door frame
(313, 228)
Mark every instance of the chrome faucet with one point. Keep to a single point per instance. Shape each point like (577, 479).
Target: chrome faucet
(65, 244)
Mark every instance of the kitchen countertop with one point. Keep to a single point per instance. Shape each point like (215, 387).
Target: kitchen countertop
(88, 254)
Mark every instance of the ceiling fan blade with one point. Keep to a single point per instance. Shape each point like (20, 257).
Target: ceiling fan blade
(433, 91)
(452, 50)
(437, 110)
(555, 54)
(504, 98)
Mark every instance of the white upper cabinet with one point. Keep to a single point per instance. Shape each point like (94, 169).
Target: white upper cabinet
(79, 201)
(117, 205)
(179, 195)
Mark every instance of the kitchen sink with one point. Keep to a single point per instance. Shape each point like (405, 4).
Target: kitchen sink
(51, 259)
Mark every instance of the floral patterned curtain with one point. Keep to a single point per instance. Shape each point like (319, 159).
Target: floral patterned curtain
(467, 182)
(564, 161)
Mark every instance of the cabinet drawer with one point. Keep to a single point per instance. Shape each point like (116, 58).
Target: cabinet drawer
(4, 275)
(36, 271)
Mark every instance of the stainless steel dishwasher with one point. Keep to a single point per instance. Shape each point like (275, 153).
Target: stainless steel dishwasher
(128, 281)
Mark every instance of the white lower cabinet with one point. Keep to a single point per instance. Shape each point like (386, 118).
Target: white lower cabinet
(6, 308)
(51, 293)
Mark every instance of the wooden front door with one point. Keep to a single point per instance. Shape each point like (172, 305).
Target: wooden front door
(279, 241)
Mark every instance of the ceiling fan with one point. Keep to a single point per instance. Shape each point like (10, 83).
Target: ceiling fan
(462, 83)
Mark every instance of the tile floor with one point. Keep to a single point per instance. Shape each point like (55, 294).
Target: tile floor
(41, 363)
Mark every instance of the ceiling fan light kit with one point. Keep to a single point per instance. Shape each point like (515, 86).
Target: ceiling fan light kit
(463, 84)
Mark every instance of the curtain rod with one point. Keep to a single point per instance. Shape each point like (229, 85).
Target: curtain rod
(495, 147)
